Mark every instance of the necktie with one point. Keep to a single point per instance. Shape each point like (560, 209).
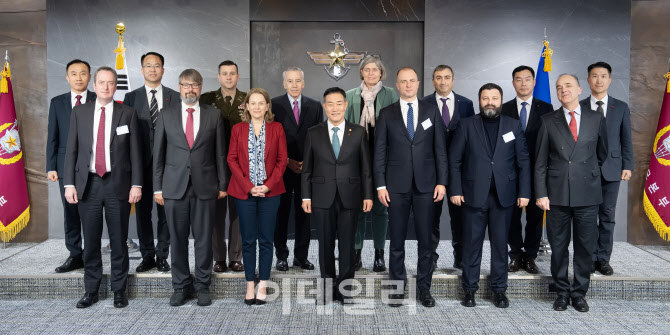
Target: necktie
(410, 121)
(523, 116)
(78, 100)
(445, 111)
(296, 111)
(100, 165)
(228, 100)
(336, 142)
(573, 125)
(153, 107)
(600, 108)
(189, 127)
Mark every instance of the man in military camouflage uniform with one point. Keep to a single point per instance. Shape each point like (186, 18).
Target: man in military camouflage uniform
(230, 101)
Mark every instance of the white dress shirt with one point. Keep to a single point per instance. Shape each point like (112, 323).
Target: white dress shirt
(196, 118)
(109, 111)
(450, 103)
(159, 96)
(73, 97)
(594, 106)
(578, 116)
(519, 106)
(340, 132)
(404, 107)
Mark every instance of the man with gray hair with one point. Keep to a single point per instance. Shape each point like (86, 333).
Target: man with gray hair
(103, 173)
(296, 113)
(190, 174)
(570, 193)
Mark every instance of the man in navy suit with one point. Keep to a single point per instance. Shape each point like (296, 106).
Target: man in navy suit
(410, 168)
(452, 107)
(77, 74)
(148, 101)
(489, 173)
(528, 111)
(619, 163)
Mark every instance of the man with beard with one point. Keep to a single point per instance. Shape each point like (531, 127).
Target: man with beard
(189, 176)
(489, 173)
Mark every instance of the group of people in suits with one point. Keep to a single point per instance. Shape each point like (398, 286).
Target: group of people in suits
(378, 156)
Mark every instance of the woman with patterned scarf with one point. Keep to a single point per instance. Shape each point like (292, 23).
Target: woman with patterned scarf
(257, 159)
(365, 102)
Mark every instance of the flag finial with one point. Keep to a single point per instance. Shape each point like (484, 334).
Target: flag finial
(545, 33)
(6, 73)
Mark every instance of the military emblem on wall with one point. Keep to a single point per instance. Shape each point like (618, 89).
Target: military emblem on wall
(338, 61)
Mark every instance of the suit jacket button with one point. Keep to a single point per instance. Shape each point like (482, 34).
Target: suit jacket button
(569, 162)
(492, 163)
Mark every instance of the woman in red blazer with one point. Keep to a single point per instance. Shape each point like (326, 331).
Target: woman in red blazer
(257, 159)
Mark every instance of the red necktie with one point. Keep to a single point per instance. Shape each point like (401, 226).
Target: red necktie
(189, 127)
(78, 100)
(100, 165)
(573, 125)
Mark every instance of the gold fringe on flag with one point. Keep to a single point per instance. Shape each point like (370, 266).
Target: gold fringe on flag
(9, 232)
(547, 56)
(666, 76)
(655, 219)
(6, 73)
(120, 61)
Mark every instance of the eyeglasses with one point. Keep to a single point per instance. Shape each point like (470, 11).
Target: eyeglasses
(189, 85)
(154, 66)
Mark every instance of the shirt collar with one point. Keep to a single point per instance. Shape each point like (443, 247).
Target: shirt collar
(184, 107)
(450, 96)
(604, 100)
(529, 101)
(108, 107)
(415, 103)
(291, 100)
(74, 95)
(158, 89)
(330, 125)
(577, 111)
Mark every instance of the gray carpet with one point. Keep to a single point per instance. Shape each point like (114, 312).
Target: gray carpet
(228, 316)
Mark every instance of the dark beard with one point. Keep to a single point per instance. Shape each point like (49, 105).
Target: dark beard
(490, 112)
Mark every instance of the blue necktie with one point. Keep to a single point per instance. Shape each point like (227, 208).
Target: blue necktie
(336, 142)
(410, 121)
(523, 116)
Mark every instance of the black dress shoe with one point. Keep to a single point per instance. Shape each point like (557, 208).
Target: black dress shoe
(500, 300)
(71, 263)
(303, 264)
(282, 265)
(514, 265)
(162, 265)
(426, 299)
(88, 300)
(219, 266)
(469, 299)
(561, 303)
(146, 264)
(605, 268)
(120, 299)
(395, 300)
(260, 301)
(204, 298)
(379, 265)
(530, 266)
(250, 301)
(180, 296)
(358, 263)
(580, 305)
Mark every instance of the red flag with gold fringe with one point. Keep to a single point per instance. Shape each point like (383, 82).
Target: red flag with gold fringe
(14, 205)
(657, 185)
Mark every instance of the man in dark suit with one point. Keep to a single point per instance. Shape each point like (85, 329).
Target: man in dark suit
(77, 74)
(453, 108)
(297, 113)
(103, 172)
(489, 173)
(619, 163)
(189, 176)
(528, 110)
(410, 167)
(336, 180)
(571, 147)
(148, 100)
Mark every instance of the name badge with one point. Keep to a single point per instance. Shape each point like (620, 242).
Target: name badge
(508, 137)
(426, 124)
(122, 130)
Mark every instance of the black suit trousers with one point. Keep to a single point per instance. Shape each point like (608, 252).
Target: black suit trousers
(100, 195)
(606, 213)
(456, 229)
(336, 222)
(302, 225)
(72, 224)
(530, 244)
(583, 220)
(423, 208)
(475, 221)
(145, 231)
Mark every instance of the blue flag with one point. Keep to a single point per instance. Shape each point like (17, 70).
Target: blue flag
(541, 90)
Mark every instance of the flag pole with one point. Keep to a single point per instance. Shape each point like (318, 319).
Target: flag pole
(4, 243)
